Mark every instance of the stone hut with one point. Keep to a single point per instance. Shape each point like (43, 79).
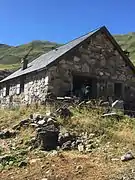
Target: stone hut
(94, 58)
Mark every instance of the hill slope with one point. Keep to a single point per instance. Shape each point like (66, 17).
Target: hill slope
(127, 42)
(10, 56)
(107, 139)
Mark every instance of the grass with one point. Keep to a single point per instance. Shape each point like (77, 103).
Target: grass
(127, 42)
(115, 138)
(9, 66)
(11, 56)
(83, 120)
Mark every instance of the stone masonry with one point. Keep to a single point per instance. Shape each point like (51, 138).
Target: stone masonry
(98, 58)
(95, 57)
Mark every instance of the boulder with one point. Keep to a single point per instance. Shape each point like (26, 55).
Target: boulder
(48, 137)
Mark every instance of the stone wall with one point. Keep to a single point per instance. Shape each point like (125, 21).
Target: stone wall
(96, 57)
(35, 90)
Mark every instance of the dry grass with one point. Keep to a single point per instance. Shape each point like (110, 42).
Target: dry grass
(116, 138)
(9, 117)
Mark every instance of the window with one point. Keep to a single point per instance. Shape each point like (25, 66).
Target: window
(18, 89)
(118, 90)
(22, 84)
(7, 89)
(4, 91)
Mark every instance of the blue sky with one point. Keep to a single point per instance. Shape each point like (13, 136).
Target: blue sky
(62, 20)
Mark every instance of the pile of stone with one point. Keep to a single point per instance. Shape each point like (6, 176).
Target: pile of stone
(84, 142)
(47, 130)
(49, 134)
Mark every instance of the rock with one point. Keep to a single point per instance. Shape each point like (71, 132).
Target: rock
(22, 164)
(113, 114)
(53, 153)
(80, 147)
(51, 121)
(104, 104)
(128, 156)
(41, 122)
(73, 145)
(34, 125)
(88, 148)
(37, 116)
(48, 137)
(7, 134)
(78, 168)
(118, 104)
(91, 135)
(64, 113)
(79, 141)
(115, 159)
(64, 138)
(66, 145)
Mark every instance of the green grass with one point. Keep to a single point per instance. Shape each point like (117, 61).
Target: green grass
(127, 42)
(10, 56)
(9, 66)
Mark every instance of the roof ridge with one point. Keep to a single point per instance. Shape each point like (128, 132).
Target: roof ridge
(83, 35)
(49, 57)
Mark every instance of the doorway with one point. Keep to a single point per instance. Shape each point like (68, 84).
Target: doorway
(118, 90)
(83, 81)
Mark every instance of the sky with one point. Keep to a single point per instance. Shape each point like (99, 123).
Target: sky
(22, 21)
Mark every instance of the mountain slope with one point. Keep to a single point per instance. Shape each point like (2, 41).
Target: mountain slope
(10, 56)
(127, 42)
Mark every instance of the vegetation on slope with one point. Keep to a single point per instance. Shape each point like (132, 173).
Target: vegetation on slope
(10, 56)
(115, 138)
(127, 42)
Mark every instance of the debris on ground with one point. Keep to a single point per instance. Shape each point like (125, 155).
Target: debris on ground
(128, 156)
(56, 149)
(6, 133)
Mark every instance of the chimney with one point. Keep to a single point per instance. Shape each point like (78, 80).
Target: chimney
(24, 63)
(24, 60)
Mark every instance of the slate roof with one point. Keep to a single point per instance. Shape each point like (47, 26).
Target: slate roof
(47, 58)
(44, 60)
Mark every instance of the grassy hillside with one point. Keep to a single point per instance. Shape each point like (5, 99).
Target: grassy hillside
(114, 139)
(10, 56)
(127, 42)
